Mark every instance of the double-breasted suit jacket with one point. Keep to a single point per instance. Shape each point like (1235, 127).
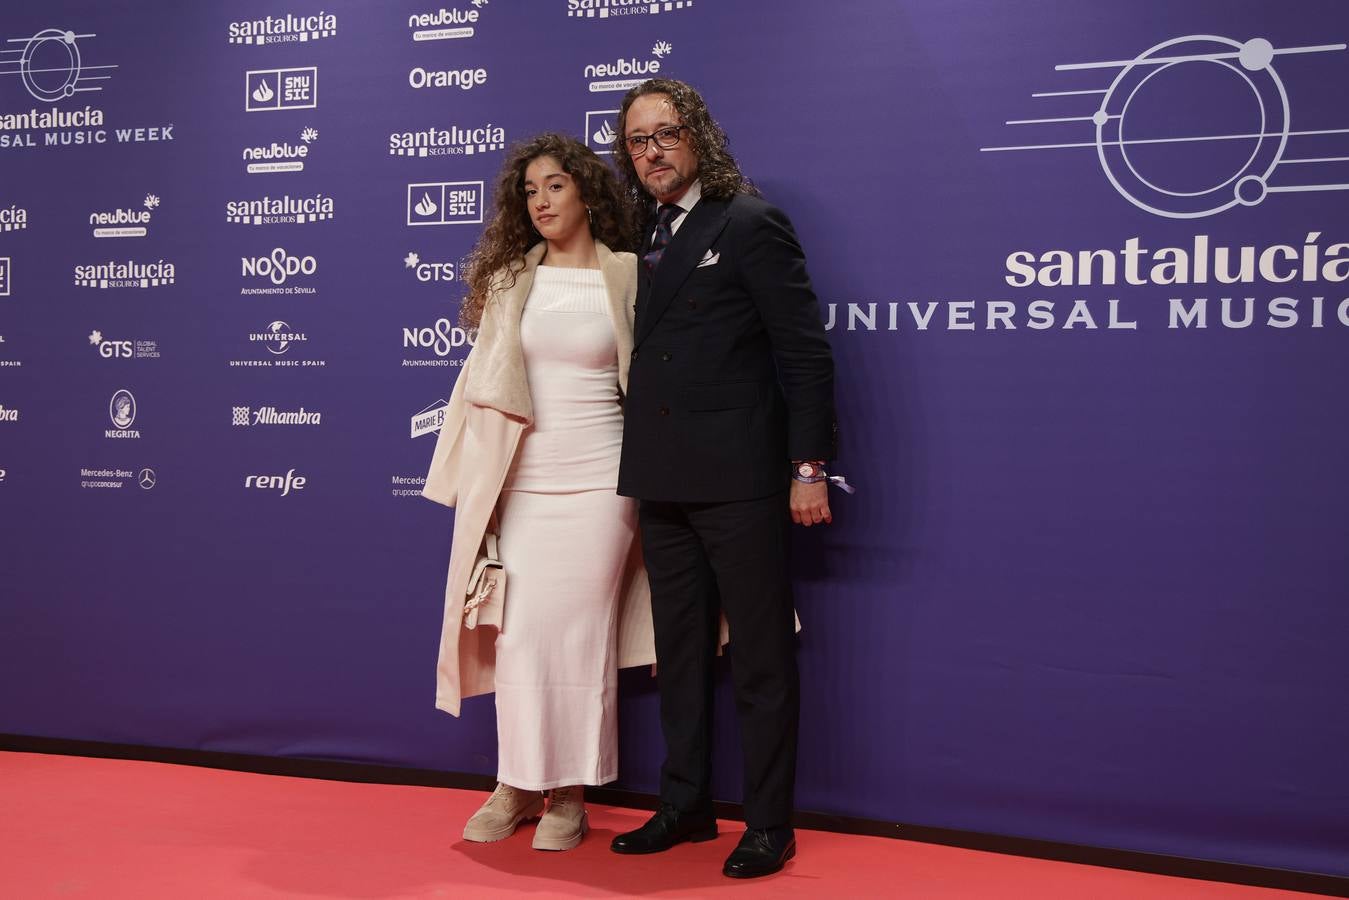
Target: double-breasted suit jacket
(731, 374)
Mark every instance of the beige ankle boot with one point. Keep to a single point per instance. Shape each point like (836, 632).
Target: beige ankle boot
(496, 819)
(565, 823)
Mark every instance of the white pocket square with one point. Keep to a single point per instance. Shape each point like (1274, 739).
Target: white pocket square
(709, 259)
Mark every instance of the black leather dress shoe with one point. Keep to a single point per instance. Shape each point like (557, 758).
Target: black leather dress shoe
(666, 828)
(762, 851)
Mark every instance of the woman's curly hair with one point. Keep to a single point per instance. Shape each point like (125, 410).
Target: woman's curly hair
(721, 177)
(498, 257)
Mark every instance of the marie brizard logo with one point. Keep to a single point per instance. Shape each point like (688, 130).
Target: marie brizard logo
(1236, 145)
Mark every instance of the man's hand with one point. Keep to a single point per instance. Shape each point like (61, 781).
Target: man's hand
(810, 503)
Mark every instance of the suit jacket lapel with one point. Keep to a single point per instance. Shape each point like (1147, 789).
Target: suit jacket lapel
(696, 234)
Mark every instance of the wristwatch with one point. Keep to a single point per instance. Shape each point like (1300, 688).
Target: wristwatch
(808, 471)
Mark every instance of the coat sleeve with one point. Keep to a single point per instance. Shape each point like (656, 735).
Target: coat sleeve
(773, 267)
(442, 479)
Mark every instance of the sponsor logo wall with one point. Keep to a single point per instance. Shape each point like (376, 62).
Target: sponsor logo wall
(1085, 282)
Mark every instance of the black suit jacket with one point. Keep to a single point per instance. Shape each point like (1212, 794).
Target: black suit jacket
(732, 376)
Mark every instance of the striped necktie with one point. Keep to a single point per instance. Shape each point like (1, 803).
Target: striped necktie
(665, 217)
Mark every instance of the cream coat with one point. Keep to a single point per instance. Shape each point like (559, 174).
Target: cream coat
(487, 414)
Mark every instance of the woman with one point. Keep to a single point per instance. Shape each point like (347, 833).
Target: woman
(529, 450)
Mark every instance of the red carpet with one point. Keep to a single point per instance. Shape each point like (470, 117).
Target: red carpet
(107, 829)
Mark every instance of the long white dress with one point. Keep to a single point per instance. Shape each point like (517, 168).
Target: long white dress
(565, 537)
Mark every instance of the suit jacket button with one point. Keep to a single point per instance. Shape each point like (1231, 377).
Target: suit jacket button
(634, 354)
(665, 410)
(666, 357)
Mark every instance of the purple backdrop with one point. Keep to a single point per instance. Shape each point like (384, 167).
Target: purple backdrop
(1092, 586)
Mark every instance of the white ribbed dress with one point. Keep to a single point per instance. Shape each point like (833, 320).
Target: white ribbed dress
(565, 538)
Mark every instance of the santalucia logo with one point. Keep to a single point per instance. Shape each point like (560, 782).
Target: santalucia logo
(278, 266)
(15, 218)
(129, 274)
(606, 9)
(452, 141)
(280, 210)
(288, 28)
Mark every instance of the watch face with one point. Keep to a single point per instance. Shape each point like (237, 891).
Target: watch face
(805, 470)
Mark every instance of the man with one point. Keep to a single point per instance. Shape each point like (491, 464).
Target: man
(729, 420)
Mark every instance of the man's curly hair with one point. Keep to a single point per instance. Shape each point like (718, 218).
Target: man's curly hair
(721, 177)
(498, 257)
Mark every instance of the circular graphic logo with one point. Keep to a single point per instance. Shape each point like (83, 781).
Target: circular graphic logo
(122, 408)
(146, 479)
(50, 64)
(281, 340)
(1194, 126)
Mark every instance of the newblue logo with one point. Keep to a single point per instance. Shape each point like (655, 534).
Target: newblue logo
(446, 24)
(125, 222)
(280, 157)
(445, 203)
(267, 90)
(625, 74)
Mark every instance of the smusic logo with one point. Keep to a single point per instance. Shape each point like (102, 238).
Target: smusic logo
(268, 90)
(445, 203)
(600, 130)
(122, 410)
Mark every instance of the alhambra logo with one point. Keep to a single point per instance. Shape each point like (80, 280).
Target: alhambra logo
(129, 274)
(453, 141)
(269, 415)
(287, 29)
(281, 210)
(624, 74)
(14, 218)
(281, 156)
(447, 24)
(608, 9)
(126, 221)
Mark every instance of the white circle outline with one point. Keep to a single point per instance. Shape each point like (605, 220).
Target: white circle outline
(72, 72)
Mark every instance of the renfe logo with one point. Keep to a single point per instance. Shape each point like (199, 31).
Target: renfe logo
(283, 483)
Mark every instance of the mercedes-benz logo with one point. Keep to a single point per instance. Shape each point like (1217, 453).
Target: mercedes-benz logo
(147, 479)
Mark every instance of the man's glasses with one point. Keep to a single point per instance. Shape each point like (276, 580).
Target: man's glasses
(665, 138)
